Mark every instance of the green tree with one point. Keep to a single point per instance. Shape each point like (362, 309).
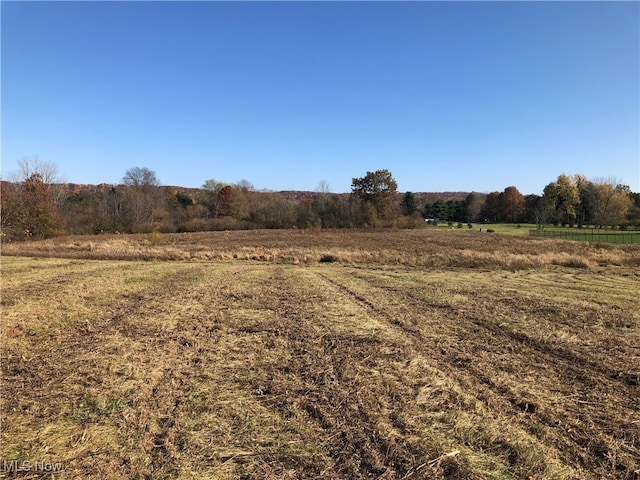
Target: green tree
(441, 210)
(377, 189)
(409, 205)
(458, 210)
(184, 199)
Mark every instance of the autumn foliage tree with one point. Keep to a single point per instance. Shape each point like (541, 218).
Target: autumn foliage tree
(376, 189)
(562, 199)
(611, 203)
(214, 196)
(38, 215)
(599, 202)
(30, 201)
(491, 209)
(511, 205)
(33, 207)
(11, 203)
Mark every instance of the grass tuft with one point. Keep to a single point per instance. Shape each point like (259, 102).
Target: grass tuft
(328, 258)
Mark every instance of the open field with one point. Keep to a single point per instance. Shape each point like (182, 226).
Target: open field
(362, 354)
(586, 234)
(508, 228)
(589, 235)
(428, 247)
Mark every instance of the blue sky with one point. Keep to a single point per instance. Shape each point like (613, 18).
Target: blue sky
(448, 96)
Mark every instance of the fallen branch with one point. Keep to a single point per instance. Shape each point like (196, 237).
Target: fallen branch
(437, 461)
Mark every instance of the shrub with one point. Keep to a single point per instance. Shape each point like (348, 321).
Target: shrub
(490, 230)
(328, 258)
(155, 238)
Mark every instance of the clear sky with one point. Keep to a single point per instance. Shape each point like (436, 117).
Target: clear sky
(456, 96)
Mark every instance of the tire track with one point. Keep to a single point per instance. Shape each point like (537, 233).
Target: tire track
(52, 281)
(90, 350)
(585, 427)
(331, 384)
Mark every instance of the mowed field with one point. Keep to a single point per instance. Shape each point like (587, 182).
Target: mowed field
(331, 354)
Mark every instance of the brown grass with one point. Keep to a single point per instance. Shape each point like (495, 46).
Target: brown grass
(408, 355)
(420, 248)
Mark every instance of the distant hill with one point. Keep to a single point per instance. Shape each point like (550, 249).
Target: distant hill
(291, 195)
(430, 197)
(421, 197)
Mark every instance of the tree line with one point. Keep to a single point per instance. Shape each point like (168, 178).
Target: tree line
(36, 204)
(568, 201)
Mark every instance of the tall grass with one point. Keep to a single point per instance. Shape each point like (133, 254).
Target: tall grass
(432, 248)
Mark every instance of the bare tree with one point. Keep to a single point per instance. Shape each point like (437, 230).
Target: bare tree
(323, 187)
(142, 197)
(539, 210)
(245, 185)
(48, 171)
(140, 177)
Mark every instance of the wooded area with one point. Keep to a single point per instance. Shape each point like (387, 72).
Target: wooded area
(35, 204)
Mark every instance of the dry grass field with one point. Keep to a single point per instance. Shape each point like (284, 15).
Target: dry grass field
(416, 354)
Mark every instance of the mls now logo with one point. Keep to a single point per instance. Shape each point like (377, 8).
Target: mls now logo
(26, 466)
